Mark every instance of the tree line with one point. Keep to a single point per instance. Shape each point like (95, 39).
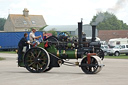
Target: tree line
(2, 22)
(108, 21)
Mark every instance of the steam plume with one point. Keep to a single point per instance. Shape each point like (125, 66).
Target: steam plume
(120, 4)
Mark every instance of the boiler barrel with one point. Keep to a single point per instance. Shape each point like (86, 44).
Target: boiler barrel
(68, 54)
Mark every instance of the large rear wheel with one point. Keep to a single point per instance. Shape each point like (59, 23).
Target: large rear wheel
(36, 60)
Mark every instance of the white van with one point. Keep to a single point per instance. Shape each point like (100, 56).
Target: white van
(117, 41)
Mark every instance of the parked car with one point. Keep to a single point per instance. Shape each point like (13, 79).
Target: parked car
(117, 50)
(105, 49)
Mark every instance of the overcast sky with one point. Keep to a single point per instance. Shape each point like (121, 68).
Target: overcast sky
(65, 12)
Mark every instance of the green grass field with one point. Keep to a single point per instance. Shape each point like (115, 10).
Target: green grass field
(2, 58)
(9, 52)
(122, 56)
(12, 52)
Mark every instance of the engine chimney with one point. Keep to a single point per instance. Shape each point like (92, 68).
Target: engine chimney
(80, 34)
(93, 33)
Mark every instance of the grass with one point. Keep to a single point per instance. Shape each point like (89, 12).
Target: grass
(122, 56)
(2, 58)
(9, 52)
(12, 52)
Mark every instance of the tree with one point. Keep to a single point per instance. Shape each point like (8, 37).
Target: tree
(108, 21)
(53, 31)
(2, 22)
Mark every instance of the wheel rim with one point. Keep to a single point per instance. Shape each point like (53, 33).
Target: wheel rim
(91, 69)
(105, 53)
(36, 60)
(117, 54)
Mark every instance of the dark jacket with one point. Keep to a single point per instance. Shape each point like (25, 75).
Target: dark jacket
(23, 42)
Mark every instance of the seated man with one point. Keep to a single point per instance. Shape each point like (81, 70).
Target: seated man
(32, 36)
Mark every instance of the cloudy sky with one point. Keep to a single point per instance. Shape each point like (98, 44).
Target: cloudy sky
(65, 12)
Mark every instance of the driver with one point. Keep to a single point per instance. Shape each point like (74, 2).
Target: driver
(32, 36)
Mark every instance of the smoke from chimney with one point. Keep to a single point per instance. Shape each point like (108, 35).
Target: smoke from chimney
(99, 19)
(120, 4)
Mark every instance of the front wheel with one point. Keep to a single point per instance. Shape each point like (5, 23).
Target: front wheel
(92, 68)
(105, 53)
(116, 53)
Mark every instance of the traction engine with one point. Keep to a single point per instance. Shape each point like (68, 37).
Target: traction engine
(55, 51)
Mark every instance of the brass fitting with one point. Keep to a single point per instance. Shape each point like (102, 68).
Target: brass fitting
(77, 63)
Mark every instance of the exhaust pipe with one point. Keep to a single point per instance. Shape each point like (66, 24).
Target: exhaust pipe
(80, 34)
(93, 33)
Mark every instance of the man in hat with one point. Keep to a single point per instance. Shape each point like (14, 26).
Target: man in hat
(32, 36)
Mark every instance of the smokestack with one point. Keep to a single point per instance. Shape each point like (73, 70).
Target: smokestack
(93, 32)
(80, 33)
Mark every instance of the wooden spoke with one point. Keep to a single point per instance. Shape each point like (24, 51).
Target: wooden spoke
(32, 55)
(39, 53)
(31, 64)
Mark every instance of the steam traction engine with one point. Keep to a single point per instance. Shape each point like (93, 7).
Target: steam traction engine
(55, 51)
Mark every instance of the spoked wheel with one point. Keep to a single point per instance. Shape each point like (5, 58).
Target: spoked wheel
(92, 68)
(100, 53)
(36, 60)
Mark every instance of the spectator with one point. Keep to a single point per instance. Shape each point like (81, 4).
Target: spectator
(45, 35)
